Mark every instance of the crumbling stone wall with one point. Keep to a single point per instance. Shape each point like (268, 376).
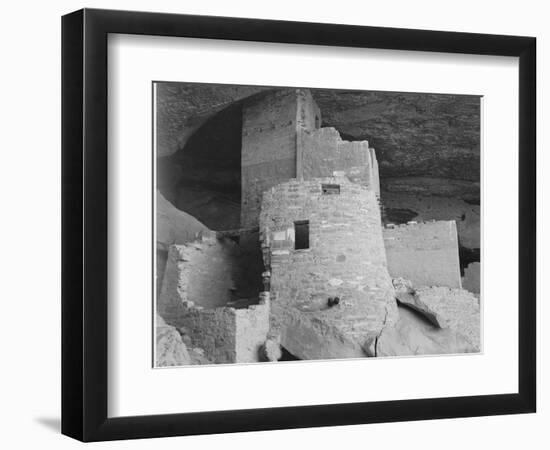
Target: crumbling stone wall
(345, 258)
(172, 227)
(268, 155)
(170, 348)
(282, 139)
(226, 334)
(207, 270)
(252, 328)
(213, 330)
(424, 253)
(322, 152)
(201, 282)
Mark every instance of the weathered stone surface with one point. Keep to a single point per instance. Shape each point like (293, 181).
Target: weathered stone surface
(428, 206)
(323, 334)
(271, 350)
(201, 280)
(303, 280)
(175, 226)
(415, 335)
(430, 148)
(269, 146)
(323, 152)
(422, 186)
(183, 107)
(456, 309)
(425, 253)
(434, 135)
(204, 178)
(170, 349)
(213, 272)
(415, 135)
(402, 286)
(429, 163)
(252, 329)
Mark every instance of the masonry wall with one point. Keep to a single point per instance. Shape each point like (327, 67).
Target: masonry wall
(345, 258)
(207, 270)
(322, 152)
(424, 253)
(200, 282)
(213, 330)
(252, 328)
(227, 335)
(268, 155)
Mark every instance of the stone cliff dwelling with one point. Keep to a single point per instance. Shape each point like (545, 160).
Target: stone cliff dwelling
(307, 264)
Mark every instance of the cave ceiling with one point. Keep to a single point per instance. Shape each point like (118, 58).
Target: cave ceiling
(424, 142)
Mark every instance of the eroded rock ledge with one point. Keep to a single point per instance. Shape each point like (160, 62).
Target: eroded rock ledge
(432, 320)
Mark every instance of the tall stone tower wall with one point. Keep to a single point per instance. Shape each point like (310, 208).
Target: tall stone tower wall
(345, 258)
(282, 139)
(269, 141)
(321, 152)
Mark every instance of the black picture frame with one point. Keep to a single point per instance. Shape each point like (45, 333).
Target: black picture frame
(84, 224)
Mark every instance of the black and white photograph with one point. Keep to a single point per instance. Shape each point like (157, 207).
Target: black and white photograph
(313, 224)
(275, 225)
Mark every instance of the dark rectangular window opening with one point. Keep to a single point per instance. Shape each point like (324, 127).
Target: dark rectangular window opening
(301, 234)
(330, 189)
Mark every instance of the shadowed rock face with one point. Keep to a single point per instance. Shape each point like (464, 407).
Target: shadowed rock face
(415, 135)
(428, 151)
(456, 309)
(427, 146)
(415, 335)
(204, 177)
(171, 351)
(438, 207)
(183, 107)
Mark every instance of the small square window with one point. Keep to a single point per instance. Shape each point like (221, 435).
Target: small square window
(330, 189)
(301, 234)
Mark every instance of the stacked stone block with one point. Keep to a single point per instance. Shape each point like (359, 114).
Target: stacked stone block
(196, 293)
(346, 259)
(323, 152)
(425, 253)
(268, 154)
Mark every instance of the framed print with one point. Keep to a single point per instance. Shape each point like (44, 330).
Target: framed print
(274, 225)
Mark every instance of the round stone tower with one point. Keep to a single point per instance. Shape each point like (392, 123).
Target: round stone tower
(322, 240)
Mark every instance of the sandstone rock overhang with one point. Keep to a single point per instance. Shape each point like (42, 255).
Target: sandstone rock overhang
(315, 197)
(416, 134)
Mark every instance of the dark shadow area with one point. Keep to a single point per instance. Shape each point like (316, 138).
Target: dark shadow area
(204, 177)
(472, 201)
(250, 267)
(162, 258)
(398, 215)
(423, 319)
(467, 256)
(426, 318)
(287, 356)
